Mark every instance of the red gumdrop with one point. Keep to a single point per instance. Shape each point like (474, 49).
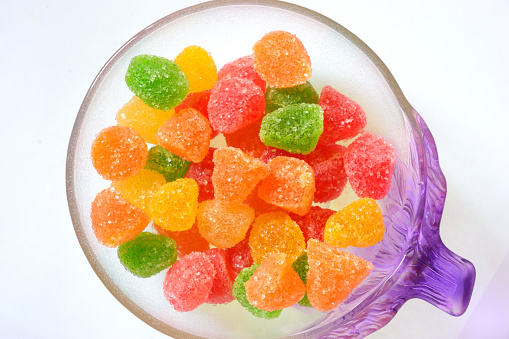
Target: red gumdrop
(330, 175)
(221, 291)
(247, 139)
(239, 257)
(187, 241)
(189, 281)
(270, 153)
(313, 223)
(198, 101)
(202, 173)
(343, 118)
(241, 68)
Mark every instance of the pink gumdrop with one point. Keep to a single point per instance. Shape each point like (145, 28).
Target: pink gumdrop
(239, 257)
(313, 223)
(221, 292)
(189, 281)
(202, 173)
(241, 68)
(369, 164)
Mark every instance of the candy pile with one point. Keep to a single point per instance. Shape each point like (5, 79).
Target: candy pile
(238, 222)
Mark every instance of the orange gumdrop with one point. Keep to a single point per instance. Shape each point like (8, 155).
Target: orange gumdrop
(187, 241)
(186, 134)
(235, 175)
(333, 274)
(289, 185)
(118, 152)
(115, 220)
(275, 285)
(247, 139)
(281, 60)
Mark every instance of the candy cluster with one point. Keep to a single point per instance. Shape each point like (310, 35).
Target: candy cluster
(238, 222)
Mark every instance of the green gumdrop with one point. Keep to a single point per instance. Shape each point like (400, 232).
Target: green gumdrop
(147, 254)
(239, 292)
(293, 128)
(301, 266)
(158, 82)
(171, 166)
(279, 97)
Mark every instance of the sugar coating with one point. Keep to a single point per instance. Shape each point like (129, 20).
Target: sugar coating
(235, 103)
(222, 286)
(275, 232)
(312, 223)
(187, 241)
(140, 189)
(241, 68)
(118, 152)
(189, 281)
(333, 274)
(343, 118)
(239, 257)
(281, 59)
(114, 219)
(330, 176)
(199, 68)
(247, 139)
(290, 185)
(159, 82)
(174, 206)
(369, 164)
(147, 254)
(279, 97)
(170, 165)
(301, 267)
(143, 119)
(293, 128)
(235, 175)
(359, 224)
(221, 225)
(202, 173)
(275, 285)
(186, 134)
(239, 292)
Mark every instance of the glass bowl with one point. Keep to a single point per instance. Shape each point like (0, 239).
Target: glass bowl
(410, 262)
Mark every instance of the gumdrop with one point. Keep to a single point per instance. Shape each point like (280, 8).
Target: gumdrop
(343, 118)
(187, 241)
(279, 97)
(189, 281)
(159, 82)
(147, 254)
(140, 189)
(239, 292)
(114, 219)
(202, 173)
(289, 185)
(239, 257)
(270, 153)
(224, 226)
(186, 134)
(118, 152)
(313, 223)
(359, 224)
(275, 285)
(235, 175)
(281, 59)
(241, 68)
(247, 139)
(301, 266)
(174, 206)
(198, 101)
(275, 232)
(235, 103)
(221, 291)
(143, 119)
(260, 206)
(330, 176)
(293, 128)
(199, 68)
(369, 163)
(333, 274)
(170, 165)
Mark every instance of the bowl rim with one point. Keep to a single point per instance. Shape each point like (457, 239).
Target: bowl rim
(405, 106)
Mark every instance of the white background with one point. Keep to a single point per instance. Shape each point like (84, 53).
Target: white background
(449, 57)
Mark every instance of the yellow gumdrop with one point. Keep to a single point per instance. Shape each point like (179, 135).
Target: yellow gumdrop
(142, 118)
(174, 206)
(359, 224)
(140, 189)
(199, 68)
(275, 232)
